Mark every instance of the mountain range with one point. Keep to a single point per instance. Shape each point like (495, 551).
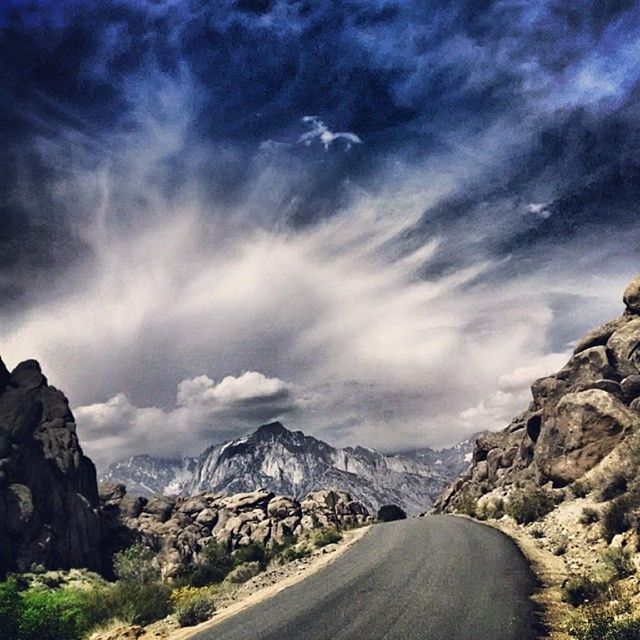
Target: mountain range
(292, 463)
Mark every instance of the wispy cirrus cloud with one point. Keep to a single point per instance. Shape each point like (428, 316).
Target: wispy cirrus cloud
(391, 288)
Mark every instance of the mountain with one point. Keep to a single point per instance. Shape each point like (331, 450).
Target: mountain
(147, 476)
(576, 419)
(292, 463)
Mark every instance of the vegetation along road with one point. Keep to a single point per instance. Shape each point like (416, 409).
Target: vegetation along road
(435, 578)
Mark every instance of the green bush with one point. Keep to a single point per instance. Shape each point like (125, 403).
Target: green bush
(589, 516)
(244, 572)
(490, 508)
(193, 605)
(581, 589)
(602, 624)
(140, 603)
(325, 536)
(39, 613)
(526, 506)
(579, 489)
(467, 505)
(251, 553)
(615, 486)
(10, 606)
(52, 615)
(620, 515)
(617, 562)
(295, 553)
(214, 565)
(136, 564)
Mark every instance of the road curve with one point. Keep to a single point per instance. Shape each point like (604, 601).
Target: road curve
(433, 578)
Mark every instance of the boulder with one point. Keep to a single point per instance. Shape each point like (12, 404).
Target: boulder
(28, 375)
(159, 507)
(623, 347)
(193, 505)
(599, 336)
(586, 368)
(610, 386)
(585, 427)
(630, 387)
(631, 296)
(249, 500)
(281, 507)
(207, 518)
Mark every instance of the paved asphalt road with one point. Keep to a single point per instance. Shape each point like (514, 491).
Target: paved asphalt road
(433, 578)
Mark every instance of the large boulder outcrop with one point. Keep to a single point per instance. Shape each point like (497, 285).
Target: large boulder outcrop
(584, 427)
(48, 491)
(576, 417)
(180, 528)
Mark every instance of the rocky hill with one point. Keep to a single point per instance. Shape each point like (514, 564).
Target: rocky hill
(48, 492)
(292, 463)
(576, 418)
(179, 528)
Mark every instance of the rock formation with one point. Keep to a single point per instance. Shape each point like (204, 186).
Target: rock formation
(180, 528)
(48, 491)
(577, 416)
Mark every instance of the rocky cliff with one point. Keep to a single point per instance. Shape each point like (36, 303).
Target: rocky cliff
(576, 418)
(48, 491)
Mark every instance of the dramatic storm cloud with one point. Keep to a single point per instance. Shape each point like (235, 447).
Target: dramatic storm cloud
(377, 221)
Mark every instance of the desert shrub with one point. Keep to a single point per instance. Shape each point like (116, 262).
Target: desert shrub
(603, 624)
(490, 508)
(537, 533)
(244, 572)
(615, 486)
(526, 506)
(192, 605)
(325, 536)
(295, 553)
(141, 603)
(467, 505)
(560, 548)
(391, 512)
(10, 604)
(251, 553)
(589, 516)
(579, 489)
(620, 515)
(136, 564)
(580, 589)
(214, 565)
(617, 562)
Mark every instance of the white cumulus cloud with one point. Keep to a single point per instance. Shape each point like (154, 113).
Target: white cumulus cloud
(204, 411)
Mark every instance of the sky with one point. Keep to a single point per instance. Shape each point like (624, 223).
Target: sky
(375, 220)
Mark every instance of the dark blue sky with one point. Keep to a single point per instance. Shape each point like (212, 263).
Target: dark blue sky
(502, 136)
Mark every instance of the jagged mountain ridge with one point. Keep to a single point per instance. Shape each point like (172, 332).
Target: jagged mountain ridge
(147, 476)
(292, 463)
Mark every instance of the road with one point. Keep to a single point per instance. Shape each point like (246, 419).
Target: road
(433, 578)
